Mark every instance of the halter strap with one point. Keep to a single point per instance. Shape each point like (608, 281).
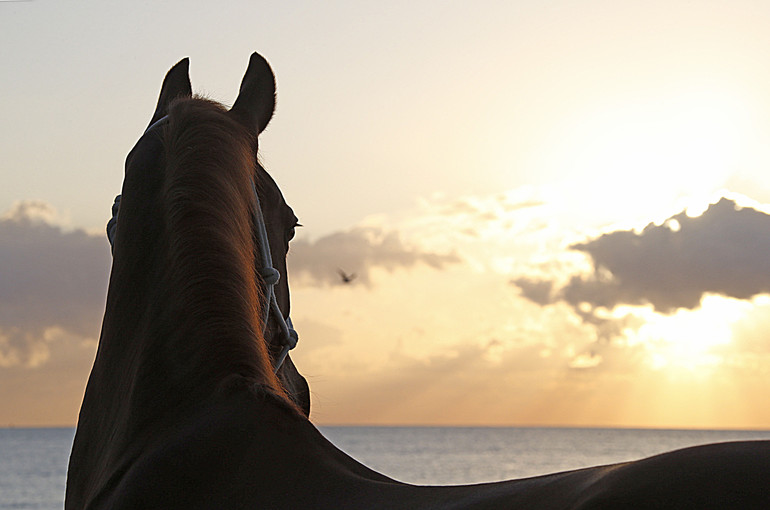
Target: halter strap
(270, 277)
(267, 272)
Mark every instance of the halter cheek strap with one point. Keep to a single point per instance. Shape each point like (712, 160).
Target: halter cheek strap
(270, 277)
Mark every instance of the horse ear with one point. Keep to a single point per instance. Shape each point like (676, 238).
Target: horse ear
(175, 84)
(256, 99)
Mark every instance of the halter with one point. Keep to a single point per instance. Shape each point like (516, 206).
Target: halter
(269, 274)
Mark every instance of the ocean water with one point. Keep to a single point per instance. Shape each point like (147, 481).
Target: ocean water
(450, 455)
(33, 467)
(33, 462)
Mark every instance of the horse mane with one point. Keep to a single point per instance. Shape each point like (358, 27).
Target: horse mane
(212, 292)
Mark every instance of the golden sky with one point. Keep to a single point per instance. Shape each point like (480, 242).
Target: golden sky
(557, 212)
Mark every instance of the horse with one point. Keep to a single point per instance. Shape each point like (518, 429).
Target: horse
(193, 401)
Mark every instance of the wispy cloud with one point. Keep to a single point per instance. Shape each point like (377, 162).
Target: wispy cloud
(358, 251)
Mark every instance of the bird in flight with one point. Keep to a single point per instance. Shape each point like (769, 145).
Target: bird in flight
(346, 278)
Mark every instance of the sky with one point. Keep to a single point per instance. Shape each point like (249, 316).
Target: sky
(557, 213)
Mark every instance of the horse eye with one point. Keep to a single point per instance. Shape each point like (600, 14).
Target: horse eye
(292, 230)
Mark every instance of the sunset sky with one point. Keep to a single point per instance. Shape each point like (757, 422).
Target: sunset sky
(558, 212)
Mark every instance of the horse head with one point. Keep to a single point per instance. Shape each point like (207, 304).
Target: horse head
(192, 307)
(253, 109)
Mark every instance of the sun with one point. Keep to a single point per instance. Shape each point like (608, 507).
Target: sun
(685, 340)
(690, 339)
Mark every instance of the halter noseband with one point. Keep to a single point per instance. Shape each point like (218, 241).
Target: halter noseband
(269, 274)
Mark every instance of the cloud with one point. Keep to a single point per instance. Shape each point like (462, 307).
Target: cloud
(538, 291)
(358, 251)
(52, 279)
(490, 208)
(481, 217)
(725, 251)
(586, 360)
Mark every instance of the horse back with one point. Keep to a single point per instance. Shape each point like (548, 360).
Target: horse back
(733, 475)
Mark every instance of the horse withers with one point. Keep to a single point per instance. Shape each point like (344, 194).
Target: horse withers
(192, 401)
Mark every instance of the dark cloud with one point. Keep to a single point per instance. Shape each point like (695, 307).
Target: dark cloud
(357, 251)
(538, 291)
(724, 251)
(50, 278)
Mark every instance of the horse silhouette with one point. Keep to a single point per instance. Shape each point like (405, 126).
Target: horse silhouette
(188, 404)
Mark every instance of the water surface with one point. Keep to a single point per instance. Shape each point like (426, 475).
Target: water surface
(33, 462)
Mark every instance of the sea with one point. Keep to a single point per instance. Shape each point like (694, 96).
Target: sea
(33, 462)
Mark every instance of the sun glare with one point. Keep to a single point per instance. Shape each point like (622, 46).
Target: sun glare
(685, 340)
(689, 339)
(640, 154)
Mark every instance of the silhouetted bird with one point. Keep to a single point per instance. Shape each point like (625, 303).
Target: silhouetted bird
(346, 278)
